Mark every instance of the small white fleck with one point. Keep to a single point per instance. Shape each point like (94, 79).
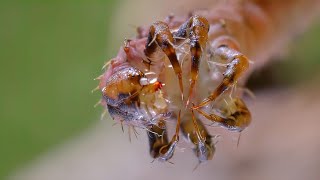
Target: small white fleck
(144, 81)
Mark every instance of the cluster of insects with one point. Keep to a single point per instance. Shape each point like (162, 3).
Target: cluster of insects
(177, 71)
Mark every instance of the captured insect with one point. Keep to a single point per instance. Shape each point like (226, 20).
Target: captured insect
(185, 70)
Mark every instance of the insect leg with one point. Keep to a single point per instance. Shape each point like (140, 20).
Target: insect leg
(196, 29)
(238, 117)
(196, 132)
(160, 35)
(234, 70)
(160, 148)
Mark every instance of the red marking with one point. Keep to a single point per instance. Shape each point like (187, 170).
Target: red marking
(126, 49)
(158, 85)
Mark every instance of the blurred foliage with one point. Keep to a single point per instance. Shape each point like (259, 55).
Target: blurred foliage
(300, 65)
(303, 62)
(50, 52)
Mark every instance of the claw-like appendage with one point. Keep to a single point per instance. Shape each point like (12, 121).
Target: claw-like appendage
(160, 148)
(234, 70)
(196, 30)
(161, 36)
(235, 116)
(196, 132)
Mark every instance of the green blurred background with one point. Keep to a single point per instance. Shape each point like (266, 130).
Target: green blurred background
(51, 51)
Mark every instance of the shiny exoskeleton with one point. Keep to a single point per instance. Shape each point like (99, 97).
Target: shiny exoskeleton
(196, 30)
(137, 90)
(160, 35)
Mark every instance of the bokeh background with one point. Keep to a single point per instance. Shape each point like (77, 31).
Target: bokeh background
(50, 52)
